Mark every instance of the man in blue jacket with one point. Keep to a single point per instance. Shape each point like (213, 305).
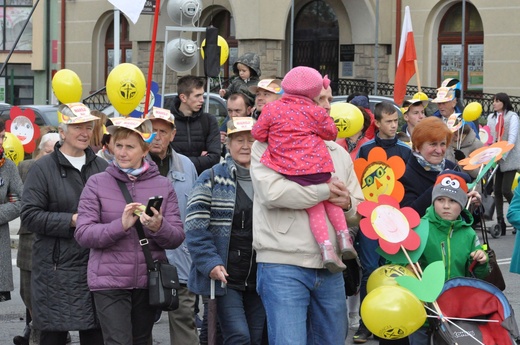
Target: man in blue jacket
(182, 174)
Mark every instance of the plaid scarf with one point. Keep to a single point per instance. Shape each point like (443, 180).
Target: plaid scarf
(352, 144)
(428, 166)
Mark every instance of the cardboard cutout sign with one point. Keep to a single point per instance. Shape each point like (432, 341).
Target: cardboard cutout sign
(21, 125)
(389, 224)
(485, 154)
(379, 175)
(485, 135)
(155, 101)
(422, 230)
(430, 286)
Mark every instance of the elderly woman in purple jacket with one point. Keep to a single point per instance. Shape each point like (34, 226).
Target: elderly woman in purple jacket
(117, 273)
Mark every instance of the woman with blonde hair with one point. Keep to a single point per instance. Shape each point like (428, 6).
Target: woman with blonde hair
(117, 271)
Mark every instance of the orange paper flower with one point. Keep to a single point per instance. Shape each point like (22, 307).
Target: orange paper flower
(389, 224)
(484, 155)
(379, 175)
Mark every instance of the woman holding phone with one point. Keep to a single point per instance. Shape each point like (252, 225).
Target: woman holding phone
(117, 272)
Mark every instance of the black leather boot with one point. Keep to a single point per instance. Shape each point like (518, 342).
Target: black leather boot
(502, 225)
(23, 339)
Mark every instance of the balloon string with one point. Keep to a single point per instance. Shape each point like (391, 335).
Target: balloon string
(475, 186)
(152, 57)
(414, 268)
(418, 272)
(454, 324)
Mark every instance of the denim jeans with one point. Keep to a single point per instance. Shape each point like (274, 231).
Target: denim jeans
(241, 316)
(303, 305)
(370, 260)
(420, 337)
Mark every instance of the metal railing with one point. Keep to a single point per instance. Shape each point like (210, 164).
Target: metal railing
(99, 99)
(348, 86)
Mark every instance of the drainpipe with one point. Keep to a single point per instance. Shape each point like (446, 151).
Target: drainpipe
(48, 50)
(398, 10)
(62, 34)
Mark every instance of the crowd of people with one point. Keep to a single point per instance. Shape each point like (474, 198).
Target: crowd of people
(262, 209)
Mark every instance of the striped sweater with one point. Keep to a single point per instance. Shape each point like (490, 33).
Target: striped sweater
(209, 215)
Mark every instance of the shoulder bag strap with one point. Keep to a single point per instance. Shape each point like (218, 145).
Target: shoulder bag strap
(143, 241)
(483, 227)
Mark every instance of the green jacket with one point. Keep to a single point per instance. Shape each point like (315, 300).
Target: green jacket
(452, 242)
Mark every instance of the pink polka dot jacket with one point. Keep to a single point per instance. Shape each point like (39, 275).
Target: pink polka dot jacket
(295, 129)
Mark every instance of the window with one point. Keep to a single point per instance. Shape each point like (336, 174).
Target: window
(316, 38)
(14, 14)
(19, 84)
(125, 53)
(450, 47)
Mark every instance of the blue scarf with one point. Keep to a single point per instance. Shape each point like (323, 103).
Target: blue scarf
(428, 166)
(133, 174)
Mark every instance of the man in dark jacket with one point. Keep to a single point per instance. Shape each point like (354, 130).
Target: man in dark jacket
(198, 135)
(61, 300)
(386, 120)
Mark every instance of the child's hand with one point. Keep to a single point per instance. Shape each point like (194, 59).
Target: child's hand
(479, 255)
(222, 92)
(475, 198)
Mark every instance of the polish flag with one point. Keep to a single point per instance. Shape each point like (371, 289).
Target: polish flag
(406, 61)
(132, 8)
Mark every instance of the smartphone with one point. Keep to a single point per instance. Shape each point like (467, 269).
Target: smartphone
(155, 202)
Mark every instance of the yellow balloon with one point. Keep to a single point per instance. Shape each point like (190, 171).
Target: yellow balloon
(515, 182)
(224, 49)
(13, 148)
(348, 118)
(472, 111)
(67, 86)
(392, 312)
(126, 87)
(385, 276)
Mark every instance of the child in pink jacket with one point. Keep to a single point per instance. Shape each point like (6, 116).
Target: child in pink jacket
(295, 129)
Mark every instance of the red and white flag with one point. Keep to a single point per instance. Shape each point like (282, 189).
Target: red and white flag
(406, 60)
(131, 8)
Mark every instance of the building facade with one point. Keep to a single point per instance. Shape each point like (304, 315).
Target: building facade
(346, 39)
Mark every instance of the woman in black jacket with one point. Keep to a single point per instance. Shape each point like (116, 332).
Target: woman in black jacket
(61, 299)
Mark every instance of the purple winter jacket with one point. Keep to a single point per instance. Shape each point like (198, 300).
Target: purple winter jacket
(116, 259)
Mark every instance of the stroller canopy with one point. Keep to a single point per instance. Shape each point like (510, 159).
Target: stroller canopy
(477, 299)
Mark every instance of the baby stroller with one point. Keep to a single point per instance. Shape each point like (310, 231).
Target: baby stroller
(483, 311)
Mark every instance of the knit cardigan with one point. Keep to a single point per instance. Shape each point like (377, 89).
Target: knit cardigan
(209, 216)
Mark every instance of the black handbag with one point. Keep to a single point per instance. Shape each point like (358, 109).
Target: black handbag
(352, 276)
(163, 281)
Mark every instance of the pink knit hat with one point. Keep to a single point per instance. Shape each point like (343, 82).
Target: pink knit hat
(303, 81)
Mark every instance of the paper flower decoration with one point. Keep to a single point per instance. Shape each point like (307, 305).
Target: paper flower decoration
(485, 154)
(21, 124)
(454, 122)
(391, 225)
(485, 135)
(379, 175)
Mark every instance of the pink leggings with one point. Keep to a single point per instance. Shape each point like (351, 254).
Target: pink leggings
(318, 220)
